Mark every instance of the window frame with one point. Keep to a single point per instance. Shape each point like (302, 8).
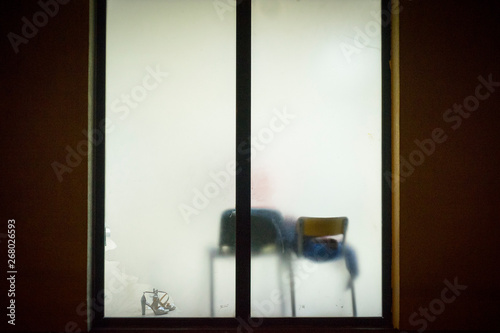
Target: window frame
(243, 200)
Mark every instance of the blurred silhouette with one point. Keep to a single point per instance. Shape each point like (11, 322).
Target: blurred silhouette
(316, 239)
(322, 239)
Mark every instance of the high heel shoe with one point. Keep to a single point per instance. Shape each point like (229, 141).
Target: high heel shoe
(158, 307)
(166, 304)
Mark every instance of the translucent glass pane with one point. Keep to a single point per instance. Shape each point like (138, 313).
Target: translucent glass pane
(316, 138)
(170, 112)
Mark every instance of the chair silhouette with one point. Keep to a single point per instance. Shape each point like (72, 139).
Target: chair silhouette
(316, 239)
(314, 243)
(266, 237)
(265, 231)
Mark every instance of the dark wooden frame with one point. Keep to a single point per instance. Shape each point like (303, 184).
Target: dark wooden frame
(243, 117)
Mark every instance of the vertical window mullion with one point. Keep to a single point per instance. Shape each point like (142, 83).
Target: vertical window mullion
(98, 163)
(386, 167)
(243, 117)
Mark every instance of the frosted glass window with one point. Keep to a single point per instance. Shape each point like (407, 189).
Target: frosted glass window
(315, 224)
(170, 151)
(316, 152)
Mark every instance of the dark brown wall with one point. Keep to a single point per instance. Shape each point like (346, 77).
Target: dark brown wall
(450, 207)
(44, 109)
(449, 204)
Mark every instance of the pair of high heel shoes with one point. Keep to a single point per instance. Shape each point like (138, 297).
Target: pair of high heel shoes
(158, 306)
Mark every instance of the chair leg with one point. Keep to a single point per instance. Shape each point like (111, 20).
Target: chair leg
(292, 284)
(353, 297)
(281, 270)
(212, 255)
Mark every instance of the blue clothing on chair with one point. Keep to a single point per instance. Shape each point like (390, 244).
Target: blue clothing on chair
(324, 249)
(269, 227)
